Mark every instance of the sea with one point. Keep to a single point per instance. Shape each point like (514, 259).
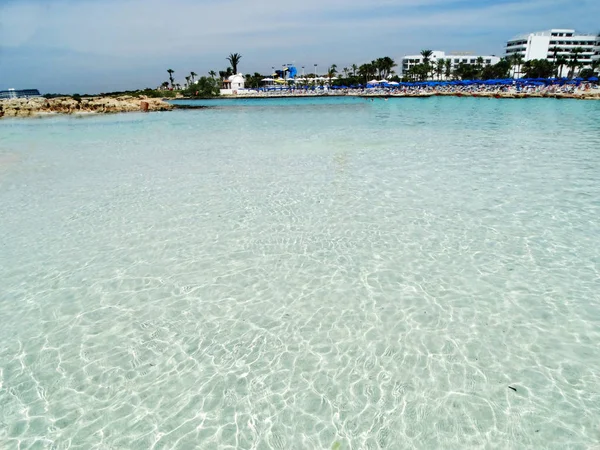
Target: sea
(312, 273)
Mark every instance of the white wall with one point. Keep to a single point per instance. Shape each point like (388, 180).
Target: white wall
(537, 47)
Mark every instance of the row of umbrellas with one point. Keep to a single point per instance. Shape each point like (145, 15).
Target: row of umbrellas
(504, 81)
(295, 80)
(498, 82)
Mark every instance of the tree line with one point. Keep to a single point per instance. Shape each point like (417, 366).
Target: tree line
(383, 68)
(537, 68)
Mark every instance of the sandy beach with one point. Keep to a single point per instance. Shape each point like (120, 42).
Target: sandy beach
(582, 92)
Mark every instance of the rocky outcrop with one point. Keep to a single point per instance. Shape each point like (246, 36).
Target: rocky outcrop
(22, 107)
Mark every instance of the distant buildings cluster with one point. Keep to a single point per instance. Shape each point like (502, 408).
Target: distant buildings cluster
(455, 59)
(547, 45)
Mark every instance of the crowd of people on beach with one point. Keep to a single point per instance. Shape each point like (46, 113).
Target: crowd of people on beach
(489, 88)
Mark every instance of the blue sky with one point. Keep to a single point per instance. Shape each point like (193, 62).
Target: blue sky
(91, 46)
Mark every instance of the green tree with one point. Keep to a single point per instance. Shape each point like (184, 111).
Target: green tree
(205, 87)
(448, 68)
(171, 72)
(226, 73)
(538, 68)
(193, 76)
(554, 51)
(187, 81)
(254, 81)
(385, 66)
(439, 69)
(366, 71)
(574, 61)
(212, 73)
(479, 67)
(354, 69)
(234, 60)
(501, 69)
(418, 72)
(561, 61)
(465, 71)
(517, 60)
(426, 54)
(331, 71)
(586, 73)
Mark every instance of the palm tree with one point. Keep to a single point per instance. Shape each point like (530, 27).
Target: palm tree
(439, 70)
(171, 72)
(354, 69)
(517, 61)
(561, 61)
(346, 72)
(164, 85)
(448, 68)
(193, 76)
(212, 73)
(367, 71)
(234, 60)
(331, 72)
(528, 68)
(574, 62)
(426, 54)
(386, 65)
(187, 81)
(554, 51)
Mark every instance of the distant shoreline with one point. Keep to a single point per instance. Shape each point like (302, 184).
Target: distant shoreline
(593, 94)
(39, 107)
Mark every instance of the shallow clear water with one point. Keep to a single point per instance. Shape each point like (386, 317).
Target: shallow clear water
(303, 274)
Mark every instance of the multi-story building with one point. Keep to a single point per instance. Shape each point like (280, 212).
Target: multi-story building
(596, 56)
(409, 61)
(559, 42)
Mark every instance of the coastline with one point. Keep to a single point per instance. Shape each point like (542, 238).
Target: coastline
(591, 94)
(41, 107)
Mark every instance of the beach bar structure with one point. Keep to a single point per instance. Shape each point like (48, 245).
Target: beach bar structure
(233, 84)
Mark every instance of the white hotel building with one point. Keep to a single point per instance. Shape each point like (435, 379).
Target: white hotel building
(541, 44)
(409, 61)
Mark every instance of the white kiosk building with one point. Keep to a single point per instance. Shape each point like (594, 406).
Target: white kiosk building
(233, 84)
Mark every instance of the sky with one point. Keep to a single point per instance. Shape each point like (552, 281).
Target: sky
(93, 46)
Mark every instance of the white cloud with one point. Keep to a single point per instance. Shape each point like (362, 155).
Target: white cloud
(154, 33)
(156, 27)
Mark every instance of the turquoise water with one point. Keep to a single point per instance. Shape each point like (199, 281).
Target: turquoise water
(303, 274)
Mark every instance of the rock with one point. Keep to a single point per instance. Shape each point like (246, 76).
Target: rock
(67, 105)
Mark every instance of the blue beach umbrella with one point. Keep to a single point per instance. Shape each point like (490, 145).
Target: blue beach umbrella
(593, 79)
